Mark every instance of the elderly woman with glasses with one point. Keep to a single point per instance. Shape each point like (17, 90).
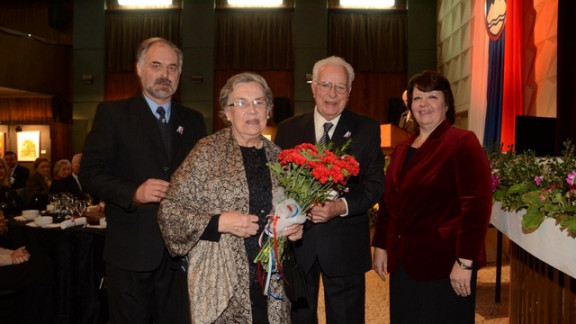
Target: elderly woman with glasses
(217, 206)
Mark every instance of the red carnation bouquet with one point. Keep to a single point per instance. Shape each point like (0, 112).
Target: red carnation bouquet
(309, 174)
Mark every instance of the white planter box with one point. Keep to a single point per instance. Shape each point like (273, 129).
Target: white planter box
(546, 243)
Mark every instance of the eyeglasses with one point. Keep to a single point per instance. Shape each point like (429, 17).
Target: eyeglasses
(326, 86)
(245, 103)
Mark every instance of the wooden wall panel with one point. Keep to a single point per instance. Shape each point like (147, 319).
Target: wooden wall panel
(539, 293)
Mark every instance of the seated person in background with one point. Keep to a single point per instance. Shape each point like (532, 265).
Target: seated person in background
(38, 184)
(407, 121)
(62, 169)
(10, 203)
(70, 183)
(18, 174)
(27, 285)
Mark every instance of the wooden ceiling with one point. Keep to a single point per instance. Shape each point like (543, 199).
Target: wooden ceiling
(8, 93)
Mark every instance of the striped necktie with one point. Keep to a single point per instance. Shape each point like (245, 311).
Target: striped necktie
(325, 137)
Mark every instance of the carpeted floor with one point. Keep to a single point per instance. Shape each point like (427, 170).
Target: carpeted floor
(487, 310)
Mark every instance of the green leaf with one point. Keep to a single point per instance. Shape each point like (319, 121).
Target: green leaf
(570, 224)
(517, 188)
(532, 198)
(532, 219)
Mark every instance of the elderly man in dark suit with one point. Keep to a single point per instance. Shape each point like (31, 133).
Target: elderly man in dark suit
(134, 147)
(336, 240)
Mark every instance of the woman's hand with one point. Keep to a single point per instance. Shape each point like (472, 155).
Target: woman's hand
(381, 262)
(20, 255)
(238, 224)
(293, 232)
(461, 278)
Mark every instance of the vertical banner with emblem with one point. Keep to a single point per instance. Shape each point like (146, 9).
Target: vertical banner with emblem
(504, 88)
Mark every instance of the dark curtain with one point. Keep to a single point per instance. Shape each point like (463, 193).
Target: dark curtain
(371, 42)
(26, 110)
(260, 41)
(124, 31)
(566, 100)
(374, 43)
(254, 40)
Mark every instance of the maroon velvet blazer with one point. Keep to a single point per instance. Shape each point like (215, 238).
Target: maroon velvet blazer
(437, 206)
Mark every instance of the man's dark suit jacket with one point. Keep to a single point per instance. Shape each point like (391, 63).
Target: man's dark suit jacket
(21, 174)
(122, 151)
(67, 184)
(342, 245)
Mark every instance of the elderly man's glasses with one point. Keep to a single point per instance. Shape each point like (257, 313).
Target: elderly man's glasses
(245, 103)
(326, 86)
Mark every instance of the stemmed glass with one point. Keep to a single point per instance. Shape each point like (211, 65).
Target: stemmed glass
(69, 203)
(81, 206)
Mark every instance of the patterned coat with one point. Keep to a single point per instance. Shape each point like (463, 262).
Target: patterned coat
(211, 181)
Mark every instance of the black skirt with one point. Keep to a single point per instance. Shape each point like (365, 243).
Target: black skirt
(430, 302)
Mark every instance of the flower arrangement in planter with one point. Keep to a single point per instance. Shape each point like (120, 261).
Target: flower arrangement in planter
(544, 186)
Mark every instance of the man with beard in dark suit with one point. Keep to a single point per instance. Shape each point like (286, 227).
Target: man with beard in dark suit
(134, 147)
(336, 240)
(19, 174)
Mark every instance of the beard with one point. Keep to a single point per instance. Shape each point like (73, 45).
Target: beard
(161, 89)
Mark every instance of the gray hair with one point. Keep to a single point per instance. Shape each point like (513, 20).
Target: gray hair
(244, 77)
(147, 43)
(333, 60)
(59, 164)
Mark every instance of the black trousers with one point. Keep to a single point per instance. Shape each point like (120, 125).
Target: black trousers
(429, 302)
(344, 298)
(159, 296)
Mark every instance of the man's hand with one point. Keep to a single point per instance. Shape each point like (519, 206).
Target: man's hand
(293, 232)
(151, 191)
(322, 213)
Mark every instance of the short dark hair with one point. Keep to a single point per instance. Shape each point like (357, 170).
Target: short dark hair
(429, 81)
(40, 160)
(143, 48)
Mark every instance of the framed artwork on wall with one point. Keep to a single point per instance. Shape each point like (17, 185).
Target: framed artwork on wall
(2, 143)
(28, 146)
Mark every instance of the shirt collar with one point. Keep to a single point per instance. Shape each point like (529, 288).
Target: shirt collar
(153, 106)
(319, 121)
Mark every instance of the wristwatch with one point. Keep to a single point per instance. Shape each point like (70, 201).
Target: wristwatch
(462, 265)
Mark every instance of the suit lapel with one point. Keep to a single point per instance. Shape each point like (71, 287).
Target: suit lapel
(151, 132)
(344, 129)
(177, 127)
(307, 133)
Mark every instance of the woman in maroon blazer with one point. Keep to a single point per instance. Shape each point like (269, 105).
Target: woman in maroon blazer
(434, 214)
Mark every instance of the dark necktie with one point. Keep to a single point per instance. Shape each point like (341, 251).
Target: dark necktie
(325, 137)
(162, 112)
(164, 128)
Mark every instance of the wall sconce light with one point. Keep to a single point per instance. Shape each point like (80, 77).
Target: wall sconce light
(308, 77)
(87, 79)
(197, 78)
